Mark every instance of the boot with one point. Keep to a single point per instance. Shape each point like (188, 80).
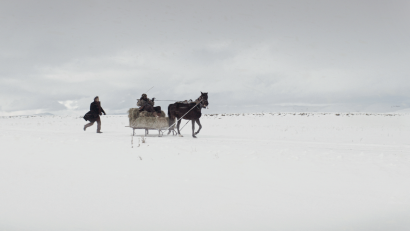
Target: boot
(99, 132)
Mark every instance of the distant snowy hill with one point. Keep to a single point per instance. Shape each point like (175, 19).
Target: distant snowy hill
(44, 114)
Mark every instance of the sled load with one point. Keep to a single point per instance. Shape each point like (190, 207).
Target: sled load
(147, 121)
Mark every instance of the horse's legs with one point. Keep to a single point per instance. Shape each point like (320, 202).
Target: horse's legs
(193, 128)
(171, 129)
(171, 125)
(179, 122)
(199, 124)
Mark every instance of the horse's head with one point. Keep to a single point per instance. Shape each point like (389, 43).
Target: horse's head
(204, 97)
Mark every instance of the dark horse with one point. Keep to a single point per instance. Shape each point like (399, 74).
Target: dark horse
(192, 111)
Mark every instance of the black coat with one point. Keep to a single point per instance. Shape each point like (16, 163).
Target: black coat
(145, 101)
(95, 111)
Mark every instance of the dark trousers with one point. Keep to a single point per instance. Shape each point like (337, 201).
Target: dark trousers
(98, 124)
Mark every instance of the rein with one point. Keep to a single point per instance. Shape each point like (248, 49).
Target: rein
(167, 100)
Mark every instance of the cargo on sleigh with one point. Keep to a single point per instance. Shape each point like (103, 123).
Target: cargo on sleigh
(147, 121)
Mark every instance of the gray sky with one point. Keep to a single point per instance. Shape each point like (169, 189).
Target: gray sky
(249, 55)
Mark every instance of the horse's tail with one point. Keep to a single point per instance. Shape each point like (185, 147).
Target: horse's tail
(171, 117)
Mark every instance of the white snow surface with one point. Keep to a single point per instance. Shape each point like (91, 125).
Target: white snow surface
(281, 171)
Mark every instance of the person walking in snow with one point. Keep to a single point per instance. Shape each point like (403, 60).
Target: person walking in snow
(94, 114)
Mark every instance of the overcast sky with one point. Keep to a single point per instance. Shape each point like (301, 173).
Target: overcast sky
(56, 56)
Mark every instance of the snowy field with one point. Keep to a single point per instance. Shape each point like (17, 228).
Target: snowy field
(243, 172)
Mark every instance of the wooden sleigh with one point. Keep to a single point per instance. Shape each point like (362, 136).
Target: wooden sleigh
(146, 121)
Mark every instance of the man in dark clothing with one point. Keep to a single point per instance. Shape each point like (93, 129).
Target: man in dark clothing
(94, 114)
(148, 105)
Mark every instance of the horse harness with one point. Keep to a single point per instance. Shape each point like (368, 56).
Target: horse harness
(200, 102)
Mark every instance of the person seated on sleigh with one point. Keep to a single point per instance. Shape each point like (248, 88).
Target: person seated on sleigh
(146, 104)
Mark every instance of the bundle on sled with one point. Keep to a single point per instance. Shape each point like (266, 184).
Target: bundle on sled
(135, 113)
(147, 120)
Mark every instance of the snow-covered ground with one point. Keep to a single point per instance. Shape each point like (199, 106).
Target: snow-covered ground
(287, 171)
